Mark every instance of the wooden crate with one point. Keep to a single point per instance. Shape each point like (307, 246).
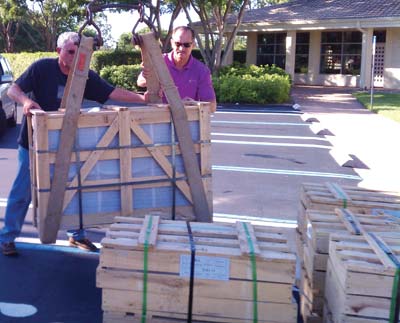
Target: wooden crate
(316, 231)
(225, 274)
(329, 196)
(125, 162)
(359, 278)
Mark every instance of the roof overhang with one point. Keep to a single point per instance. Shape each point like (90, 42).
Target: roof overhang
(309, 25)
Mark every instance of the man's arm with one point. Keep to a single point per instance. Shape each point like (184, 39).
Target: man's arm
(15, 93)
(213, 106)
(141, 81)
(123, 95)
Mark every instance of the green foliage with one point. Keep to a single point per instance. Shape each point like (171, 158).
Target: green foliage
(255, 84)
(386, 104)
(20, 62)
(103, 58)
(124, 76)
(125, 42)
(238, 69)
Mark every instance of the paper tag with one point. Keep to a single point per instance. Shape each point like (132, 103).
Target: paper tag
(214, 268)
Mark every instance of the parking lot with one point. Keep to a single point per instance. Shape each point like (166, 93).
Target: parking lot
(260, 157)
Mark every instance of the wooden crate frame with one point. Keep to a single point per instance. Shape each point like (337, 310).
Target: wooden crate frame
(318, 226)
(120, 271)
(359, 278)
(120, 123)
(328, 196)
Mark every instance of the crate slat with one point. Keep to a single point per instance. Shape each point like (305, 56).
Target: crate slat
(359, 283)
(224, 294)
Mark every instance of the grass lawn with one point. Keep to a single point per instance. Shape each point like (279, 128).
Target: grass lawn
(386, 104)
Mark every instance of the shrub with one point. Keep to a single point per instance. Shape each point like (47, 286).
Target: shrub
(124, 76)
(20, 62)
(104, 58)
(253, 84)
(238, 69)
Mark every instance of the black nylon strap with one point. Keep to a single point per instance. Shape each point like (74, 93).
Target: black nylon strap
(351, 220)
(192, 267)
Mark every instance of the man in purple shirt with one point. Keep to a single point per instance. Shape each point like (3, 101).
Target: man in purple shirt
(192, 78)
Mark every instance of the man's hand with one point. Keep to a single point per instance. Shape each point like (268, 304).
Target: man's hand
(29, 105)
(15, 93)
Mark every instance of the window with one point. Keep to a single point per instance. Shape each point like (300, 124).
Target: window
(302, 50)
(341, 52)
(380, 36)
(271, 49)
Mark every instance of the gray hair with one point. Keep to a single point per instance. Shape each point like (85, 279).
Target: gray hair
(184, 28)
(67, 36)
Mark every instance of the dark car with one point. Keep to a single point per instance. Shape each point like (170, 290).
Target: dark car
(8, 108)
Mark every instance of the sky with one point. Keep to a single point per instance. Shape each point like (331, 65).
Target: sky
(125, 21)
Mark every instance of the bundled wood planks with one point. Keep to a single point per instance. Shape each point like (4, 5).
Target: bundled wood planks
(317, 219)
(329, 196)
(125, 161)
(319, 225)
(242, 273)
(360, 282)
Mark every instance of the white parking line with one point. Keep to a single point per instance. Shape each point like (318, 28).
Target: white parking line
(250, 112)
(263, 123)
(231, 218)
(59, 245)
(283, 172)
(269, 144)
(266, 136)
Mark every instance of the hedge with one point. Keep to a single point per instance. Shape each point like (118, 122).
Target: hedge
(20, 62)
(124, 76)
(234, 84)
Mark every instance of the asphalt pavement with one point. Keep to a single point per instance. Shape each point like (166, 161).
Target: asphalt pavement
(260, 157)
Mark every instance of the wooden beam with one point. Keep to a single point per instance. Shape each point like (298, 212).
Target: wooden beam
(200, 204)
(71, 102)
(152, 82)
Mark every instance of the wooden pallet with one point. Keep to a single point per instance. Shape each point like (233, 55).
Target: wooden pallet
(224, 284)
(318, 226)
(329, 196)
(125, 157)
(359, 278)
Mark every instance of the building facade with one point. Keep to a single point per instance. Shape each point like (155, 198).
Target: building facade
(328, 42)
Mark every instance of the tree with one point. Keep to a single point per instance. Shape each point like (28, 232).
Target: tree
(11, 15)
(255, 4)
(214, 28)
(51, 17)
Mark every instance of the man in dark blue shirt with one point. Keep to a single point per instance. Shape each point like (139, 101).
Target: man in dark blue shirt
(45, 80)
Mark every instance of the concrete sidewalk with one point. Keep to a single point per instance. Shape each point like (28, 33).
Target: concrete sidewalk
(370, 138)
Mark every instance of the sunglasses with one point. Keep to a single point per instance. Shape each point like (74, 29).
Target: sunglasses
(186, 45)
(71, 51)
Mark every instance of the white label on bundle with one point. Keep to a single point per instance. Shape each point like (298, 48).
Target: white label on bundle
(215, 268)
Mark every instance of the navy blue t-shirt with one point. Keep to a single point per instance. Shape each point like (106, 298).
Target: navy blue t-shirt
(46, 83)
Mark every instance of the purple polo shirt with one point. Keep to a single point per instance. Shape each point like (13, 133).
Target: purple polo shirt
(193, 81)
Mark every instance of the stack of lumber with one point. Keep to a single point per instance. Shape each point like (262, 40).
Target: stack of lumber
(360, 282)
(317, 219)
(125, 161)
(328, 196)
(242, 273)
(319, 225)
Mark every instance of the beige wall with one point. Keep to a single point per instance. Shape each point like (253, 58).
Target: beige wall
(251, 55)
(392, 59)
(290, 52)
(366, 58)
